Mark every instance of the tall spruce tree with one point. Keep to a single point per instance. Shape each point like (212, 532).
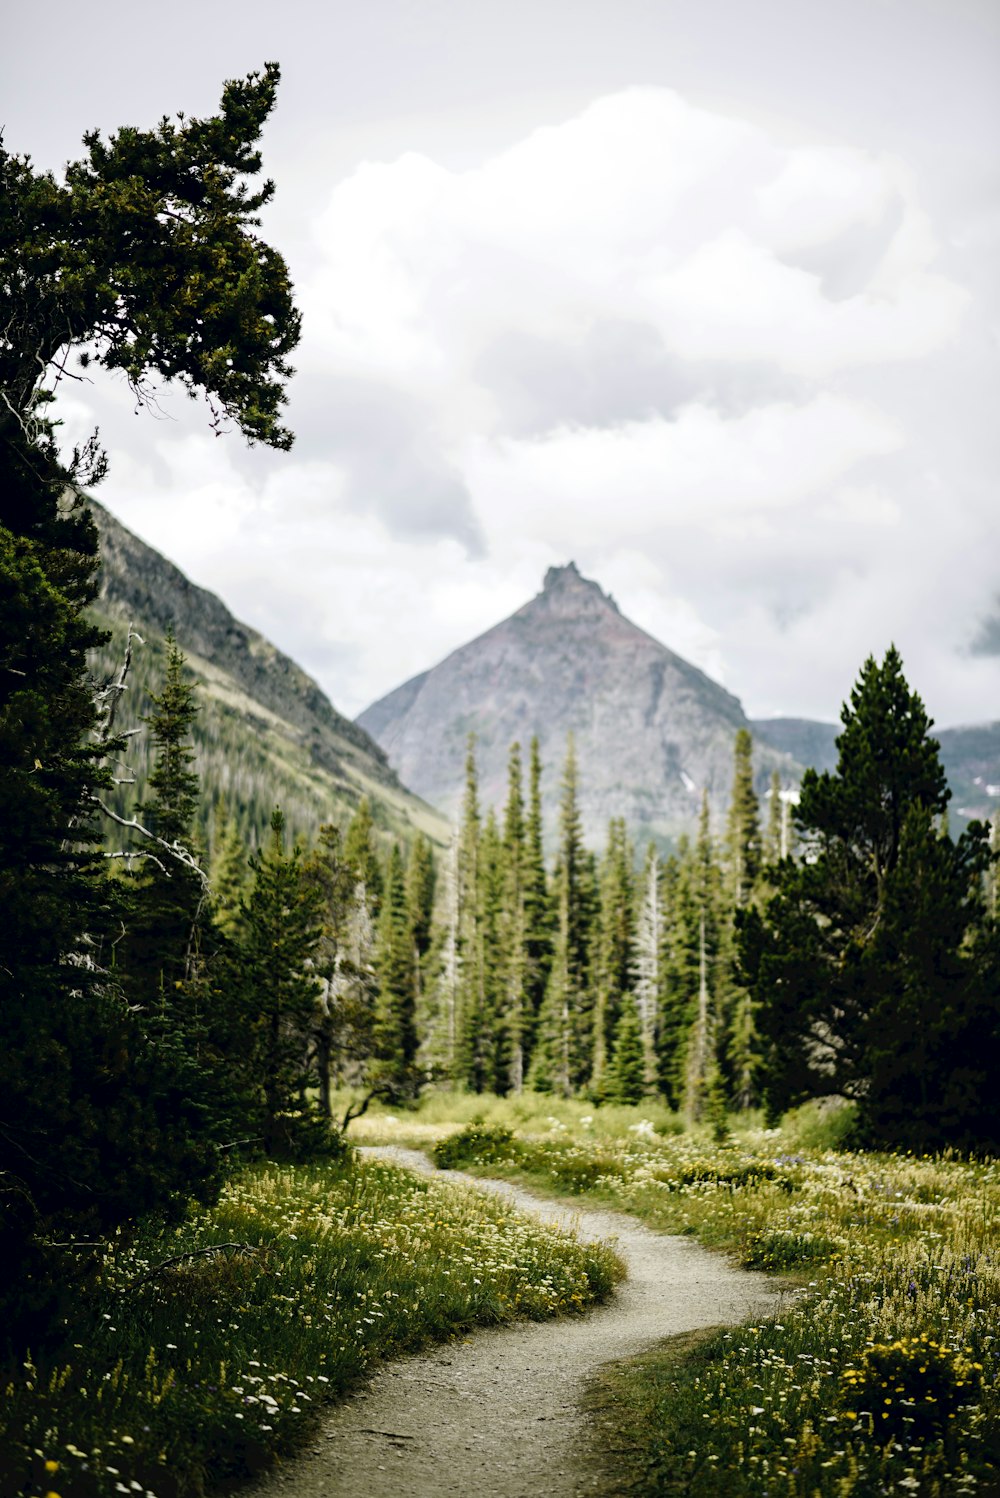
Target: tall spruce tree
(518, 1015)
(737, 1047)
(361, 854)
(340, 1032)
(537, 904)
(472, 1041)
(615, 945)
(861, 963)
(773, 848)
(396, 965)
(274, 985)
(626, 1075)
(170, 898)
(563, 1054)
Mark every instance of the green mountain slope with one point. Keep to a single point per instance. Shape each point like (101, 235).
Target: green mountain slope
(266, 734)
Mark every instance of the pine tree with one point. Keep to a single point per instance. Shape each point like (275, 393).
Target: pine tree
(170, 898)
(361, 854)
(626, 1079)
(470, 1059)
(272, 981)
(743, 846)
(615, 953)
(440, 1031)
(144, 259)
(773, 842)
(228, 871)
(864, 952)
(518, 1015)
(395, 1028)
(494, 1038)
(340, 1032)
(689, 1030)
(563, 1056)
(736, 1047)
(537, 905)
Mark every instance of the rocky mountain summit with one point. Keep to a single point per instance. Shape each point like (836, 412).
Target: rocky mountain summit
(651, 731)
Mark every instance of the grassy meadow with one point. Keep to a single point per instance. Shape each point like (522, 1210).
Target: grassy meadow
(212, 1347)
(882, 1375)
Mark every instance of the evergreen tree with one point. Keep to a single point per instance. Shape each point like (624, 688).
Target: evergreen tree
(493, 1042)
(743, 845)
(689, 1032)
(440, 1031)
(271, 976)
(773, 841)
(158, 949)
(861, 957)
(626, 1077)
(341, 1027)
(736, 1048)
(537, 905)
(395, 1028)
(518, 1012)
(145, 258)
(563, 1058)
(361, 854)
(228, 872)
(471, 1065)
(615, 946)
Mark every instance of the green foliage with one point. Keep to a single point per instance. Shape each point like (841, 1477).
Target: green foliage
(146, 258)
(271, 994)
(863, 967)
(213, 1348)
(910, 1388)
(626, 1082)
(395, 1029)
(477, 1144)
(901, 1258)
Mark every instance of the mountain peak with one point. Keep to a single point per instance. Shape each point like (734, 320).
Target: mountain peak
(650, 729)
(566, 586)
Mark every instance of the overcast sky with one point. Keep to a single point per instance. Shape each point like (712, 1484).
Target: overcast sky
(702, 294)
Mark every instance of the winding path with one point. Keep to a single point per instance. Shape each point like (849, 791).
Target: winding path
(499, 1415)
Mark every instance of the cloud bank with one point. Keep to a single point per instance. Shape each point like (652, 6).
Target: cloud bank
(658, 339)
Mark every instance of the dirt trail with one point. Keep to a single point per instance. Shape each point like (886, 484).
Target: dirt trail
(499, 1416)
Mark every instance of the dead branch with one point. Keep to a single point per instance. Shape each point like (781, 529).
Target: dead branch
(194, 1253)
(355, 1110)
(176, 851)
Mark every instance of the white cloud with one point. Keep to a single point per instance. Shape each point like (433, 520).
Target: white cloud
(643, 480)
(642, 207)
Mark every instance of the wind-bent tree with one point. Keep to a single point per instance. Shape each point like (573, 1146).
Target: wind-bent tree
(143, 259)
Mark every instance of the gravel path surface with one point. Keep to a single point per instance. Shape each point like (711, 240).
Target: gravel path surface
(499, 1415)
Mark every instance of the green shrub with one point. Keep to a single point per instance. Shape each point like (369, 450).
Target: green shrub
(909, 1389)
(785, 1249)
(478, 1144)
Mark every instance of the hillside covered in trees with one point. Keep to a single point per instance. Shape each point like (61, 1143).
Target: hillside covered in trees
(265, 734)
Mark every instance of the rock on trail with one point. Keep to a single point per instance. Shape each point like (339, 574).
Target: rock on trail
(500, 1415)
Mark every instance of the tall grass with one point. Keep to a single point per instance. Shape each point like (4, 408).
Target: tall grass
(212, 1347)
(881, 1377)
